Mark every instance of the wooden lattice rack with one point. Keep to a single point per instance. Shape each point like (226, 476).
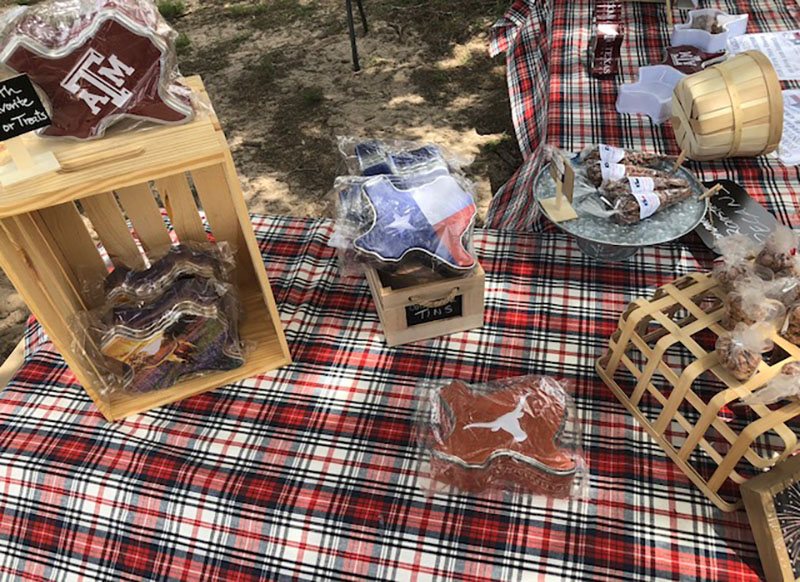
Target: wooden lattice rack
(681, 323)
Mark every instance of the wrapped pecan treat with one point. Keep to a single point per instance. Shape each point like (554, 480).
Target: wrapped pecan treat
(735, 263)
(748, 303)
(784, 386)
(604, 163)
(779, 252)
(791, 330)
(740, 350)
(707, 22)
(639, 197)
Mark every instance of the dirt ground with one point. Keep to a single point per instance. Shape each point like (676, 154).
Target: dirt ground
(280, 75)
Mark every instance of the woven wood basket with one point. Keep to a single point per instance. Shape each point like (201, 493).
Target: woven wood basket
(732, 109)
(663, 367)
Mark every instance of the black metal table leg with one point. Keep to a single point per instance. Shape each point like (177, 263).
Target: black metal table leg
(352, 29)
(363, 15)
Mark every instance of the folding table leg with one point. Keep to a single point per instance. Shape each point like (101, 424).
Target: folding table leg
(351, 28)
(363, 15)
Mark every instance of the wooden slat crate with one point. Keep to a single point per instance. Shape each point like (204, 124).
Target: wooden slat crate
(50, 257)
(662, 366)
(428, 310)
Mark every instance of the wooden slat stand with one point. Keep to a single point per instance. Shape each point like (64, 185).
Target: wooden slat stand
(50, 257)
(662, 366)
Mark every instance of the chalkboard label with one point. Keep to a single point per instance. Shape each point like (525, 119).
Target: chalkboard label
(21, 110)
(417, 314)
(732, 211)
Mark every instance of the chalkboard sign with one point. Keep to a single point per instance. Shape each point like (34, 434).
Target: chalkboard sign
(417, 314)
(21, 110)
(732, 211)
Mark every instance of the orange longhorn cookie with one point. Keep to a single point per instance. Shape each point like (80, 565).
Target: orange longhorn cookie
(510, 436)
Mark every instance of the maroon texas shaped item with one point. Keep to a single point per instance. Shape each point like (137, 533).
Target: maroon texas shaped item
(507, 436)
(689, 59)
(112, 68)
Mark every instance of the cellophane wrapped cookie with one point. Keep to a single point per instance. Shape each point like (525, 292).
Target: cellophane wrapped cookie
(736, 262)
(740, 351)
(749, 303)
(517, 434)
(175, 320)
(602, 163)
(784, 386)
(98, 63)
(780, 253)
(407, 207)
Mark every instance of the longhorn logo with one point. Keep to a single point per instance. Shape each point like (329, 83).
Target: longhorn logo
(508, 422)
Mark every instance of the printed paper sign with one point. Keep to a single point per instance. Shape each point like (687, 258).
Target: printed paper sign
(21, 111)
(781, 48)
(789, 149)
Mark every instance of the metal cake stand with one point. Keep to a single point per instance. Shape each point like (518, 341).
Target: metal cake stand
(601, 238)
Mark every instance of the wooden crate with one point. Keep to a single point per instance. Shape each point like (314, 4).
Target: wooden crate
(50, 257)
(424, 311)
(662, 366)
(731, 109)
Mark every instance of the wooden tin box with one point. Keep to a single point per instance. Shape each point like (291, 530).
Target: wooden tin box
(428, 310)
(48, 253)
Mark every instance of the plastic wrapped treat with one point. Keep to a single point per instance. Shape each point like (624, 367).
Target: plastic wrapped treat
(735, 263)
(604, 163)
(210, 261)
(411, 208)
(98, 62)
(637, 198)
(791, 330)
(784, 386)
(739, 351)
(165, 324)
(749, 303)
(520, 433)
(779, 252)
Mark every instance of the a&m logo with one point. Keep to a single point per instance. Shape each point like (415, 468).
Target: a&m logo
(96, 80)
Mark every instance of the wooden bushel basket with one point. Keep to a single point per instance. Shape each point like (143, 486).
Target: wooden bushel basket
(732, 109)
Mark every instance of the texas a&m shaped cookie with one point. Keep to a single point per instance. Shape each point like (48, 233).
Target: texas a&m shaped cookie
(97, 61)
(509, 436)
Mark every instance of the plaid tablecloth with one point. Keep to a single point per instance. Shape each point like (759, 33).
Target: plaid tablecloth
(554, 100)
(308, 473)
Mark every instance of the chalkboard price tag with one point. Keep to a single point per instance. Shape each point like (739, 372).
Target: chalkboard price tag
(21, 110)
(417, 314)
(732, 211)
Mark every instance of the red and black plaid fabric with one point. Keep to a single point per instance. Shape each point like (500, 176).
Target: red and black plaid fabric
(554, 100)
(309, 473)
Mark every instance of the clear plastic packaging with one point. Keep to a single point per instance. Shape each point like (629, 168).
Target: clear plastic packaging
(603, 163)
(516, 434)
(749, 303)
(637, 198)
(780, 252)
(98, 62)
(791, 329)
(784, 386)
(410, 206)
(736, 262)
(739, 351)
(176, 320)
